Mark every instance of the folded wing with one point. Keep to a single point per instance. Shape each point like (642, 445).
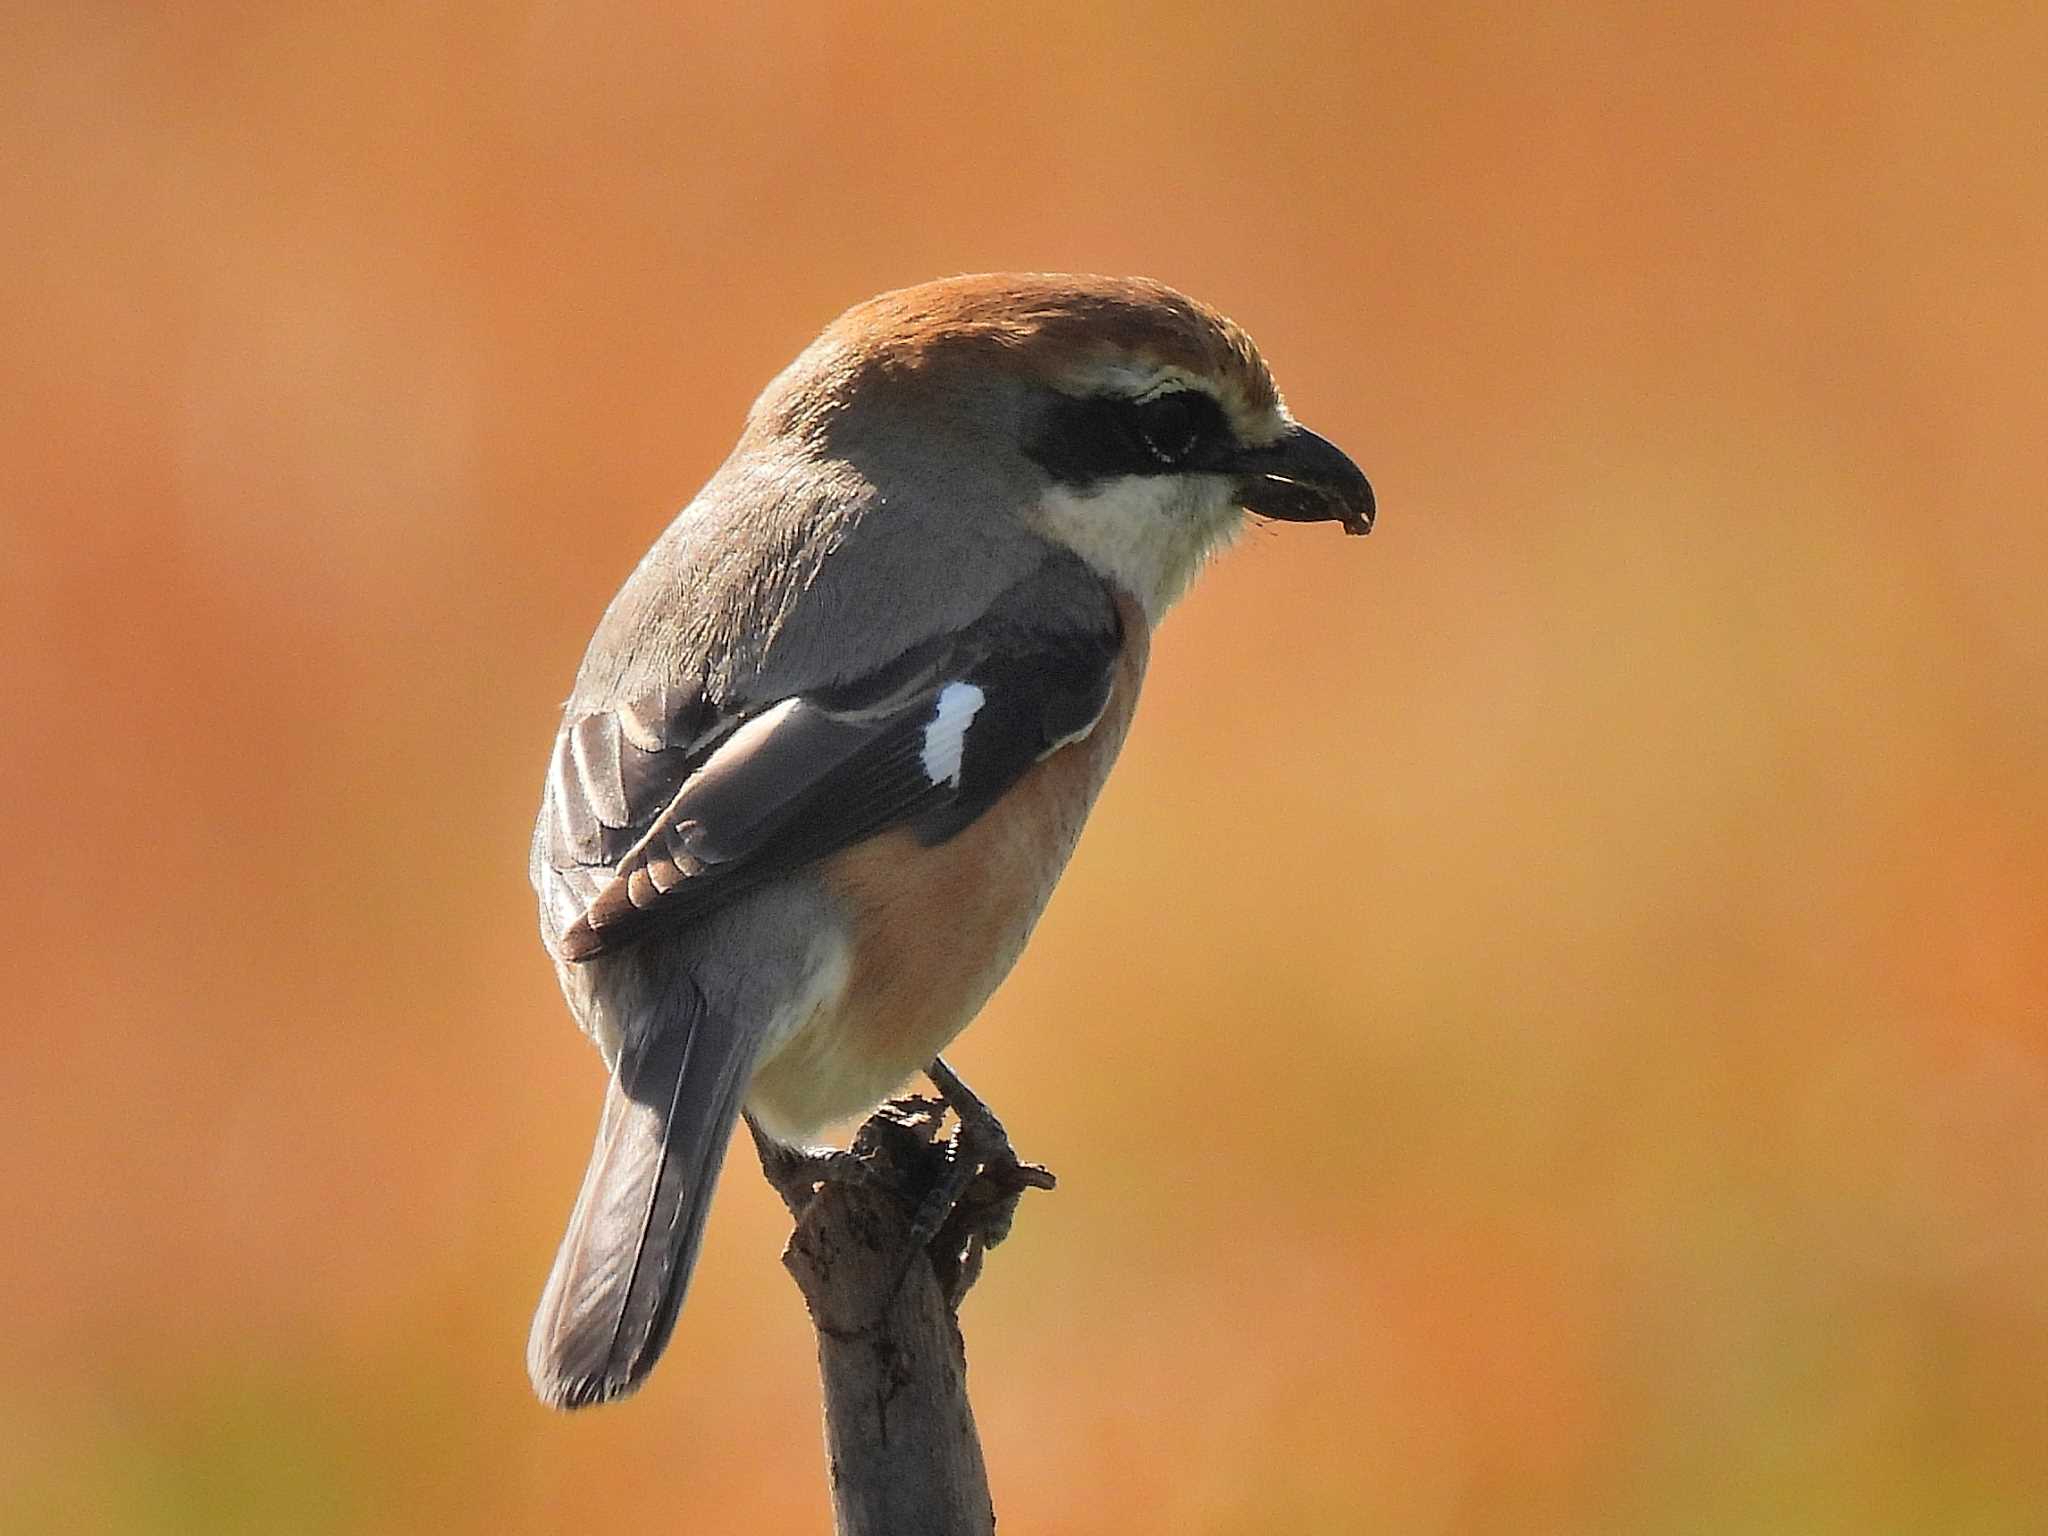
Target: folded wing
(665, 806)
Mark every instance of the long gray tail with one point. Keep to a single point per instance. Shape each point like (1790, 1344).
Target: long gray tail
(619, 1278)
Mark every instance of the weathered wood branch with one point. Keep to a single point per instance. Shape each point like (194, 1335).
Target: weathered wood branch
(889, 1238)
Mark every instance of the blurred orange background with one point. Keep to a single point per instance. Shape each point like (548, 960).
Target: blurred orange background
(1548, 1030)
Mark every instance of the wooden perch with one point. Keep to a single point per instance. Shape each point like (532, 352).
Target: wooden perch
(889, 1238)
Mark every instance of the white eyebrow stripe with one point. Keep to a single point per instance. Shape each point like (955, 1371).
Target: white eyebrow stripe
(1255, 425)
(945, 738)
(1136, 381)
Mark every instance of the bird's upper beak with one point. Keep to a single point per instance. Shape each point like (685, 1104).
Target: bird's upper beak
(1304, 478)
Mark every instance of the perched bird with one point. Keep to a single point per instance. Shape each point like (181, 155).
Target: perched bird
(834, 739)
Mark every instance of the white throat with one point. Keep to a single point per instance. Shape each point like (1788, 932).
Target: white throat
(1149, 534)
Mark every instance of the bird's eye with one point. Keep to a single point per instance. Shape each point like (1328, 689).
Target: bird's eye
(1083, 439)
(1170, 425)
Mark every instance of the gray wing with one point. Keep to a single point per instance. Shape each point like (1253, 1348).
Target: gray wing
(665, 806)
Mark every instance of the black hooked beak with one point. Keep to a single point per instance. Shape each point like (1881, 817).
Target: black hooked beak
(1303, 478)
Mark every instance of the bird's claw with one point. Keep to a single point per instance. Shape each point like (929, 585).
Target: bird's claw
(963, 1185)
(968, 1210)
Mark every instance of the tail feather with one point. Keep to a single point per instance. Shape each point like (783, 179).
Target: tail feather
(618, 1281)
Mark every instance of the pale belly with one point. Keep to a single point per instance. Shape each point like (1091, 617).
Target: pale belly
(931, 932)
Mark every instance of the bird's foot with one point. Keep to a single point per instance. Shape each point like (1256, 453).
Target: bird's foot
(960, 1186)
(797, 1172)
(969, 1208)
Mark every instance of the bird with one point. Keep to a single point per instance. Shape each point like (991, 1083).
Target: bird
(832, 742)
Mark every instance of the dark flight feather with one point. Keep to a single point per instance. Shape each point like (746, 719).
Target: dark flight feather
(619, 1277)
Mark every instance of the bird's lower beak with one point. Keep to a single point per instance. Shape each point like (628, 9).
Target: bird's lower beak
(1304, 478)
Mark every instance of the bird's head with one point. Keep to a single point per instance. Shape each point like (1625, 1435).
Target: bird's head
(1115, 416)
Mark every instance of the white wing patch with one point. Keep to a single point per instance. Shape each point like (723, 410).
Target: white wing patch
(945, 739)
